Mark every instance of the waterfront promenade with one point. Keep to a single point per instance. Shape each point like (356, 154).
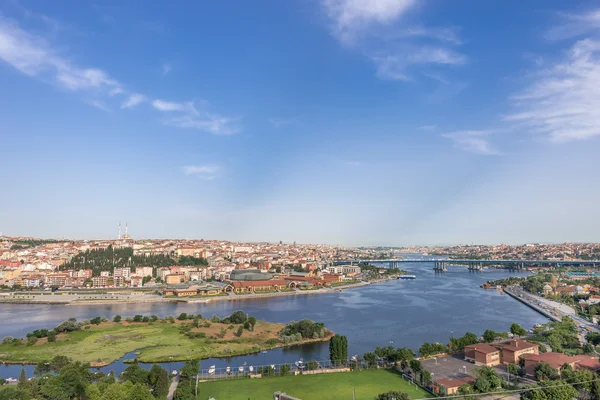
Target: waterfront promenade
(112, 298)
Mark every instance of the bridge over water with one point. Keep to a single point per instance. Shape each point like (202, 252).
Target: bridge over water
(440, 264)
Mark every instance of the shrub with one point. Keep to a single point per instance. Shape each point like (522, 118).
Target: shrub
(129, 319)
(95, 321)
(247, 325)
(238, 317)
(215, 319)
(271, 342)
(154, 318)
(146, 319)
(31, 341)
(306, 328)
(7, 339)
(138, 318)
(240, 331)
(182, 317)
(104, 319)
(51, 336)
(117, 318)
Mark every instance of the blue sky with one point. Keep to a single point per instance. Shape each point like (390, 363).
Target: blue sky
(353, 122)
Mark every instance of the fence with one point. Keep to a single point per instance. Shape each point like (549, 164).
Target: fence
(300, 367)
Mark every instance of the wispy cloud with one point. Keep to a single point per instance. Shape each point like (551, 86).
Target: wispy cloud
(380, 29)
(427, 127)
(188, 116)
(563, 101)
(203, 171)
(472, 141)
(574, 25)
(166, 68)
(281, 122)
(133, 100)
(35, 56)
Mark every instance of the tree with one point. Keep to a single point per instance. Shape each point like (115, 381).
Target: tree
(595, 392)
(416, 366)
(22, 378)
(593, 338)
(58, 362)
(158, 380)
(134, 374)
(240, 331)
(555, 390)
(51, 336)
(284, 369)
(392, 395)
(252, 321)
(426, 378)
(114, 392)
(311, 365)
(238, 317)
(338, 349)
(516, 329)
(588, 348)
(544, 371)
(139, 392)
(489, 336)
(487, 380)
(371, 359)
(190, 369)
(513, 369)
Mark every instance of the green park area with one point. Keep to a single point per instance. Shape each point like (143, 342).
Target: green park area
(160, 340)
(333, 386)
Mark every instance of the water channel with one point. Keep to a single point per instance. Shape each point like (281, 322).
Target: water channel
(407, 313)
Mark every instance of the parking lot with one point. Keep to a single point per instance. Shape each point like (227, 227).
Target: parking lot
(449, 367)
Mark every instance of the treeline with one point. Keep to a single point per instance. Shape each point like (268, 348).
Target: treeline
(99, 260)
(24, 244)
(64, 379)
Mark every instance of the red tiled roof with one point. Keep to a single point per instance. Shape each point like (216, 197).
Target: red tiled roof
(482, 348)
(455, 383)
(515, 345)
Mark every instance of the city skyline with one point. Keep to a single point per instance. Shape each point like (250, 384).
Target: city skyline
(346, 122)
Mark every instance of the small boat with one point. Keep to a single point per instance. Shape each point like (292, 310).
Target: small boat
(211, 370)
(241, 369)
(228, 370)
(174, 372)
(354, 358)
(251, 368)
(300, 364)
(264, 352)
(272, 366)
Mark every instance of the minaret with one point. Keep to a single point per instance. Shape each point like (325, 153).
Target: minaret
(119, 230)
(126, 234)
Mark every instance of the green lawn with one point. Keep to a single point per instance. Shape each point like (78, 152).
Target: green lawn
(336, 386)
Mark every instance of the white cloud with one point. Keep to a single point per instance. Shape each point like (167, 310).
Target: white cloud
(380, 30)
(350, 17)
(133, 100)
(188, 116)
(164, 105)
(563, 101)
(34, 56)
(203, 171)
(427, 127)
(472, 141)
(573, 25)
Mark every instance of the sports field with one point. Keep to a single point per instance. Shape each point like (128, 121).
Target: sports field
(335, 386)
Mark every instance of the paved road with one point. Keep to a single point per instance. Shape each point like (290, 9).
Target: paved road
(558, 309)
(173, 387)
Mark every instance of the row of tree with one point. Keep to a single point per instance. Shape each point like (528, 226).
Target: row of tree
(64, 379)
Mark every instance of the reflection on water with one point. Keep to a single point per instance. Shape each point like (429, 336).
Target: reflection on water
(409, 312)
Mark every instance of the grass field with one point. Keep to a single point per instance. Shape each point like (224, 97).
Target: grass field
(335, 386)
(157, 342)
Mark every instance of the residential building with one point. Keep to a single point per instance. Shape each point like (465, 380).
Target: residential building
(258, 286)
(557, 360)
(124, 272)
(57, 279)
(173, 279)
(100, 281)
(143, 271)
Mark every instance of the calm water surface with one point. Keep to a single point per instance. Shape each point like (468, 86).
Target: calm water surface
(431, 308)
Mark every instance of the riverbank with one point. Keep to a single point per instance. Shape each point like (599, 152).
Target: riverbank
(72, 300)
(155, 341)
